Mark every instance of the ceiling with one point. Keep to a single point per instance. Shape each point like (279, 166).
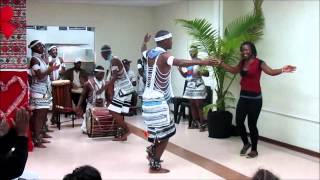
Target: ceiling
(147, 3)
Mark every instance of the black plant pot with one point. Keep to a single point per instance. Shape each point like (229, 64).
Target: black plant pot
(219, 124)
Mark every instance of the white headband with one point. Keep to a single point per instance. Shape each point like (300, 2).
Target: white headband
(34, 44)
(51, 47)
(161, 38)
(98, 70)
(105, 50)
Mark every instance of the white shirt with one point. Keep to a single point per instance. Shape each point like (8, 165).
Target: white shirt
(76, 78)
(56, 73)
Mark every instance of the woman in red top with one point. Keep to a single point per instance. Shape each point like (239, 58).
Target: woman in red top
(250, 101)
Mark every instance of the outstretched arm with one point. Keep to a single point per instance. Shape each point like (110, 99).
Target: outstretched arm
(185, 63)
(227, 67)
(274, 72)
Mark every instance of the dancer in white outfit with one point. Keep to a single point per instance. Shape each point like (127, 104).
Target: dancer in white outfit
(158, 91)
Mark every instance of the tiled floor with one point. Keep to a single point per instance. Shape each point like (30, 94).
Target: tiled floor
(126, 160)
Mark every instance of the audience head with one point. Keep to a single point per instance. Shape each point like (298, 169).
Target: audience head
(263, 174)
(84, 173)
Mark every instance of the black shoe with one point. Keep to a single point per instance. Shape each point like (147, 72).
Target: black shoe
(252, 154)
(245, 149)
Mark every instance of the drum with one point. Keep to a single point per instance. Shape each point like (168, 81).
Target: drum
(61, 94)
(100, 122)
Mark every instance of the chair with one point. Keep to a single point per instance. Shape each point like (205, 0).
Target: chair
(184, 103)
(187, 104)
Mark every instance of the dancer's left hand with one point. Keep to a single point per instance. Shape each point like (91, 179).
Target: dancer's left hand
(289, 69)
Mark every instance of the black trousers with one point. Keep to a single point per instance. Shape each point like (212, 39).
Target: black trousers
(248, 108)
(75, 98)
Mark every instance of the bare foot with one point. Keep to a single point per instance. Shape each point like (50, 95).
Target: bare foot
(40, 145)
(50, 130)
(45, 135)
(45, 141)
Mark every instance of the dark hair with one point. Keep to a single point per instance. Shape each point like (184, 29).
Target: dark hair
(252, 47)
(105, 47)
(32, 43)
(84, 173)
(99, 67)
(162, 33)
(263, 174)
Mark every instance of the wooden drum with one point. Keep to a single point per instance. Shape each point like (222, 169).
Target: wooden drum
(100, 122)
(61, 94)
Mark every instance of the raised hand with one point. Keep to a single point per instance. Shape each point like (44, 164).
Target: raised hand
(289, 69)
(21, 123)
(147, 38)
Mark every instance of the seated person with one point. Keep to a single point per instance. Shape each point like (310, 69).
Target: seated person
(14, 145)
(77, 77)
(84, 173)
(94, 93)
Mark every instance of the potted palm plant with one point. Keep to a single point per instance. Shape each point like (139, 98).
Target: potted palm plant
(225, 47)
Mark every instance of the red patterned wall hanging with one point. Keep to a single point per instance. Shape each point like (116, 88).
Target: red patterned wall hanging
(13, 49)
(13, 61)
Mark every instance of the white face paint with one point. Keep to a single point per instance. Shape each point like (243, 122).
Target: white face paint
(4, 128)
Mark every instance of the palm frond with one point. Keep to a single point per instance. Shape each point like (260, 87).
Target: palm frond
(209, 107)
(245, 28)
(201, 31)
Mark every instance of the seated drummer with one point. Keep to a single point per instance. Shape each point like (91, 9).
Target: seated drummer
(94, 93)
(77, 77)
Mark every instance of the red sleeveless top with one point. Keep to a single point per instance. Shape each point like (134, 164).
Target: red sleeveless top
(250, 82)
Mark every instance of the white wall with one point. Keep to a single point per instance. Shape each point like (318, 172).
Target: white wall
(290, 110)
(55, 36)
(121, 27)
